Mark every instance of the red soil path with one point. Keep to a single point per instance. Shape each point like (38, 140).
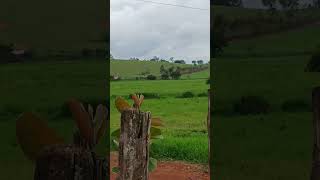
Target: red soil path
(171, 170)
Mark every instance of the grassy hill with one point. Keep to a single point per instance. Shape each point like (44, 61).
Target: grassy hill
(132, 69)
(276, 145)
(53, 25)
(295, 42)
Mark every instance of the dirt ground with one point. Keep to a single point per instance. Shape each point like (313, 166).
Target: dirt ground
(171, 170)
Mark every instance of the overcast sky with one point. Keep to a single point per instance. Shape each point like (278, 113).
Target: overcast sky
(143, 30)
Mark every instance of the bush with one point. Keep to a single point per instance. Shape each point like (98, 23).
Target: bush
(151, 77)
(187, 94)
(295, 106)
(314, 63)
(251, 105)
(203, 94)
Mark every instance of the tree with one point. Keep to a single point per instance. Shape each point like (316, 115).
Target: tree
(164, 73)
(271, 4)
(194, 63)
(176, 74)
(200, 62)
(171, 59)
(155, 58)
(236, 3)
(179, 61)
(289, 5)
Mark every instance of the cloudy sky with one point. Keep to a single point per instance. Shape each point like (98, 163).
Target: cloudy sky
(143, 30)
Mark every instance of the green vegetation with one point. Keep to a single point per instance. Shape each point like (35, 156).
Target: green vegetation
(184, 118)
(277, 144)
(44, 88)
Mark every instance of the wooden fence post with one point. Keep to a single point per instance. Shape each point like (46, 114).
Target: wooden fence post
(69, 162)
(134, 145)
(315, 172)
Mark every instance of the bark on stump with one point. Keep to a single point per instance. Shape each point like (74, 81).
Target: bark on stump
(69, 162)
(315, 172)
(134, 145)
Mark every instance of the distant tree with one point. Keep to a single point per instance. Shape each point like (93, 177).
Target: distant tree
(271, 4)
(289, 5)
(179, 62)
(200, 62)
(155, 58)
(194, 63)
(164, 73)
(176, 74)
(171, 59)
(235, 3)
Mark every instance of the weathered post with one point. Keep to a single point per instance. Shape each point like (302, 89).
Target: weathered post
(134, 145)
(315, 172)
(69, 162)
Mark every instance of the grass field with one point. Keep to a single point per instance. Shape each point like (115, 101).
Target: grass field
(185, 134)
(43, 88)
(277, 145)
(128, 69)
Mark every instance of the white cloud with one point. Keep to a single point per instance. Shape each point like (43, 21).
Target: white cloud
(143, 30)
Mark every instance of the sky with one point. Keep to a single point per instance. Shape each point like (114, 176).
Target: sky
(144, 30)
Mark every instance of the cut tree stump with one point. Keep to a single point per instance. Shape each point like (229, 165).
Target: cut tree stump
(134, 145)
(315, 172)
(70, 162)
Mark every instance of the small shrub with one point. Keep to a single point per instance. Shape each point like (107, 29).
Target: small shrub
(151, 77)
(314, 63)
(187, 94)
(203, 94)
(295, 106)
(251, 105)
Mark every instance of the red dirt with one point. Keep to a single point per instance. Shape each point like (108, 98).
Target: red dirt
(171, 170)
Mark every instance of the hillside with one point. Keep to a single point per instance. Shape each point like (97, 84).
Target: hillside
(132, 69)
(53, 25)
(295, 42)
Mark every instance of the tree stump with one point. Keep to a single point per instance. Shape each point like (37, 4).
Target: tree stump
(315, 172)
(134, 145)
(69, 162)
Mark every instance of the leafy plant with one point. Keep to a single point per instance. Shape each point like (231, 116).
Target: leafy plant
(33, 133)
(155, 131)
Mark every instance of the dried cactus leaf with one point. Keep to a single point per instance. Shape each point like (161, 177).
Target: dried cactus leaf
(82, 119)
(90, 112)
(101, 118)
(141, 98)
(136, 101)
(33, 134)
(121, 104)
